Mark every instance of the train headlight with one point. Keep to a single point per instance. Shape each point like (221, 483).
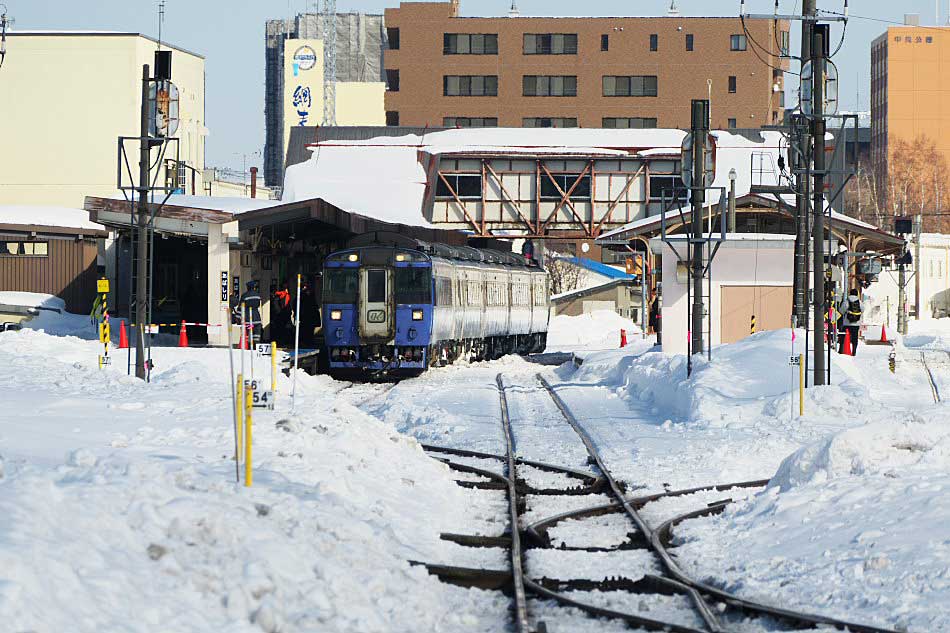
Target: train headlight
(417, 315)
(336, 315)
(353, 257)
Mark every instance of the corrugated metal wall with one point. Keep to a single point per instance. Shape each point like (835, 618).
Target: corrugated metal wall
(69, 271)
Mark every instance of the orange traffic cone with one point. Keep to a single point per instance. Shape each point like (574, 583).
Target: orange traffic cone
(183, 336)
(123, 337)
(883, 334)
(847, 343)
(623, 338)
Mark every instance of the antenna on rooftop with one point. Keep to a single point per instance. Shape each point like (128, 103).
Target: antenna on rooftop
(514, 12)
(673, 12)
(161, 20)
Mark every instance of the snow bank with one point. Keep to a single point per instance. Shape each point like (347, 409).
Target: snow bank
(599, 329)
(881, 448)
(853, 526)
(118, 508)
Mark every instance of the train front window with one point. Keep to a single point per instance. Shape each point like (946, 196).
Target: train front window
(376, 286)
(413, 285)
(340, 285)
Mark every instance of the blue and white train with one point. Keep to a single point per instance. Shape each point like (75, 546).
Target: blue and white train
(397, 305)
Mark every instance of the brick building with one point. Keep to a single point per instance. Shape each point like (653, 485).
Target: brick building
(445, 70)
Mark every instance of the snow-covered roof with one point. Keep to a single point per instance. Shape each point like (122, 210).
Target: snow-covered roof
(63, 217)
(592, 288)
(385, 177)
(227, 204)
(638, 225)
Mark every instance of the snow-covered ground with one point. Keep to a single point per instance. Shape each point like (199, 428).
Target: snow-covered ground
(119, 509)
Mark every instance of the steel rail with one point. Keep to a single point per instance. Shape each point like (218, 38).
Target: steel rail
(930, 375)
(517, 556)
(564, 470)
(659, 547)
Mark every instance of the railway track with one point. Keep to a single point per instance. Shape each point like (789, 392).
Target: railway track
(938, 357)
(686, 605)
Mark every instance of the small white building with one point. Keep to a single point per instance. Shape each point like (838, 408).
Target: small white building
(751, 276)
(934, 279)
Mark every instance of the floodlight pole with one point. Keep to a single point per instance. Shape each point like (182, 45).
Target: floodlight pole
(141, 266)
(818, 53)
(700, 132)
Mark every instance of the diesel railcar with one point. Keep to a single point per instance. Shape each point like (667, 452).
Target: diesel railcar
(397, 305)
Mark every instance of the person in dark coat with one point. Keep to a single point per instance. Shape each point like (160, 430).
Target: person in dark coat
(251, 300)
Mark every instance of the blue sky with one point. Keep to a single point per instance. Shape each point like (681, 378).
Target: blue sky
(230, 34)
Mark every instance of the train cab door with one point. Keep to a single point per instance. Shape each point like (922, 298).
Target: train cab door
(376, 314)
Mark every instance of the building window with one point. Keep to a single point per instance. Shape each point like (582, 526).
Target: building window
(669, 185)
(470, 85)
(28, 249)
(565, 182)
(392, 34)
(392, 118)
(637, 123)
(930, 40)
(689, 41)
(470, 44)
(549, 122)
(464, 186)
(470, 121)
(635, 86)
(550, 43)
(549, 86)
(732, 124)
(732, 84)
(604, 42)
(783, 47)
(608, 256)
(654, 42)
(737, 42)
(392, 79)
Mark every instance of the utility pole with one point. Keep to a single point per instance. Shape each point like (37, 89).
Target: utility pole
(902, 295)
(800, 161)
(700, 132)
(818, 54)
(918, 227)
(141, 266)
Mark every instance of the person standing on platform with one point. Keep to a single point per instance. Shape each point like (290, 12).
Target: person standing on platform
(852, 314)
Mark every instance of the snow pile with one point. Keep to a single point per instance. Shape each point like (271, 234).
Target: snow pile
(121, 495)
(599, 329)
(853, 526)
(884, 448)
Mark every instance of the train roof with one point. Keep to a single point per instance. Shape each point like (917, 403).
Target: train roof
(444, 251)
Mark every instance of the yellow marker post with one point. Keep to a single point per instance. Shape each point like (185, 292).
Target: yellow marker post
(273, 367)
(239, 415)
(248, 424)
(801, 385)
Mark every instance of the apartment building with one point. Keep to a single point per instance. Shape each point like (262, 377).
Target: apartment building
(611, 72)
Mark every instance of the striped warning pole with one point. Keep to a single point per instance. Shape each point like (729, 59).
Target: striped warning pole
(752, 325)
